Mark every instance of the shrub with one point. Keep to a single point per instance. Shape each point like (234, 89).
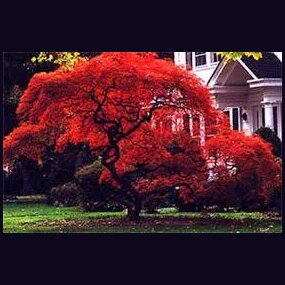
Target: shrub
(153, 201)
(88, 176)
(59, 168)
(94, 196)
(103, 206)
(231, 194)
(65, 195)
(269, 136)
(275, 200)
(244, 171)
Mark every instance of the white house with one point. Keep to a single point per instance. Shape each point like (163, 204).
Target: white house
(248, 91)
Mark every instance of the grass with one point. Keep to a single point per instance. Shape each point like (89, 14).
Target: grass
(42, 218)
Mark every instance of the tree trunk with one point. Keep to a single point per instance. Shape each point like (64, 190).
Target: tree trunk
(134, 212)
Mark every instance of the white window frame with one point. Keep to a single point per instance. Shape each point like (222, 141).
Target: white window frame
(200, 55)
(212, 55)
(231, 110)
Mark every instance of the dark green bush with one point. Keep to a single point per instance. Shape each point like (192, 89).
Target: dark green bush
(101, 206)
(60, 168)
(275, 201)
(269, 136)
(65, 195)
(95, 196)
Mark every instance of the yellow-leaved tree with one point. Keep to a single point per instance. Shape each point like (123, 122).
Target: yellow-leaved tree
(65, 59)
(237, 55)
(68, 59)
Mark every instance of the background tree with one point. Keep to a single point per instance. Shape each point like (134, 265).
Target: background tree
(239, 55)
(18, 70)
(66, 60)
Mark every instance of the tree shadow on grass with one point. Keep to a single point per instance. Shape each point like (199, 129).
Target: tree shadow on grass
(167, 223)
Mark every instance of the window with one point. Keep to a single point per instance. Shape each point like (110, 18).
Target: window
(200, 58)
(263, 116)
(215, 57)
(234, 117)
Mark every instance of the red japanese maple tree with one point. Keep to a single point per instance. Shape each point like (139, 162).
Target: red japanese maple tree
(153, 164)
(109, 103)
(245, 163)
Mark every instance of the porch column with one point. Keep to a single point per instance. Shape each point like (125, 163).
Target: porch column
(269, 121)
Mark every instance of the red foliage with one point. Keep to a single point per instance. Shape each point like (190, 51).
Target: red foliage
(161, 161)
(246, 161)
(27, 140)
(110, 101)
(110, 95)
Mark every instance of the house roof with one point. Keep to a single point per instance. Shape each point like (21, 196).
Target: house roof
(269, 66)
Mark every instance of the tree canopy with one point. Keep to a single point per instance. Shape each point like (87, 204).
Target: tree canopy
(121, 104)
(239, 55)
(239, 159)
(109, 102)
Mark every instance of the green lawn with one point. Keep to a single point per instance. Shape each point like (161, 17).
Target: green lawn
(41, 218)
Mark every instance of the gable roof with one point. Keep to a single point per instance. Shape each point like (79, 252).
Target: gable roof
(269, 66)
(279, 55)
